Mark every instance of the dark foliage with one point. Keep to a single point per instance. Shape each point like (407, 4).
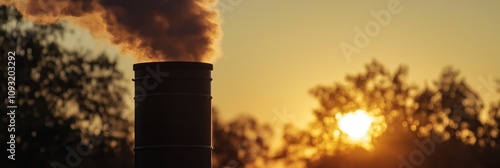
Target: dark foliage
(444, 117)
(241, 142)
(70, 104)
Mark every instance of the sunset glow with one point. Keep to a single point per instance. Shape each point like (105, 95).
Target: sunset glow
(250, 83)
(355, 124)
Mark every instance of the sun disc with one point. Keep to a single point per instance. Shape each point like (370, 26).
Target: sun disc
(355, 124)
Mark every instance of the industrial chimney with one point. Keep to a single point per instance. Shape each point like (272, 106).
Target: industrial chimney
(173, 121)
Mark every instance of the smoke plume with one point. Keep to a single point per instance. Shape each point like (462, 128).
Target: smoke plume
(154, 30)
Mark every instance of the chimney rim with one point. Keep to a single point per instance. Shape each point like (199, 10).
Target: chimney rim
(175, 64)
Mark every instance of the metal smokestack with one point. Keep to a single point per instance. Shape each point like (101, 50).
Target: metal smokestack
(173, 120)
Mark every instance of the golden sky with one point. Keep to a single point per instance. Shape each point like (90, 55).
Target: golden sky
(275, 51)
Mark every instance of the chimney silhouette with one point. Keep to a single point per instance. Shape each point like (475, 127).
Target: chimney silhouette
(173, 119)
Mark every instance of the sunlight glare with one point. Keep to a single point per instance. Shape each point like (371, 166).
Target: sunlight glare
(355, 124)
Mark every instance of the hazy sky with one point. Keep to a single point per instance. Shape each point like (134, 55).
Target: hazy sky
(275, 51)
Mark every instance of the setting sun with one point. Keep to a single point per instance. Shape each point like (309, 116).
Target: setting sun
(355, 124)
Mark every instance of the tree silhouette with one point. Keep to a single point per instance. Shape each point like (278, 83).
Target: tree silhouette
(70, 104)
(452, 112)
(443, 118)
(241, 142)
(71, 114)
